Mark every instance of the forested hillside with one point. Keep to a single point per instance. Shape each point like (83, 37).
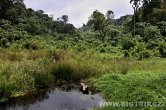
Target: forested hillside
(102, 31)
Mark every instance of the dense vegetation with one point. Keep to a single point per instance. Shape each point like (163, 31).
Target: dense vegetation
(36, 51)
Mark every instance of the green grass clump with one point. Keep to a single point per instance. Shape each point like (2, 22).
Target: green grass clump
(72, 71)
(133, 87)
(4, 89)
(23, 76)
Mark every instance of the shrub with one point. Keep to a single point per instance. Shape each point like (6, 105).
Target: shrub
(162, 49)
(81, 47)
(145, 54)
(34, 45)
(127, 42)
(147, 31)
(140, 51)
(102, 48)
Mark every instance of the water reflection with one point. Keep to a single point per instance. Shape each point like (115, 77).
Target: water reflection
(56, 99)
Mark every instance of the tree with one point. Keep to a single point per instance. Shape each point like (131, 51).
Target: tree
(98, 22)
(63, 18)
(135, 5)
(39, 13)
(153, 11)
(16, 13)
(4, 5)
(162, 27)
(110, 15)
(147, 31)
(7, 4)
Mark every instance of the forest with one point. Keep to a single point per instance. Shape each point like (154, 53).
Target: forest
(124, 59)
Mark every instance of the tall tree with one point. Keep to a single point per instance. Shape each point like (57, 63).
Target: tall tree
(4, 5)
(153, 11)
(110, 15)
(135, 5)
(63, 18)
(98, 22)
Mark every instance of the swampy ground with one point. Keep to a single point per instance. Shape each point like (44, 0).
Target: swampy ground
(123, 59)
(116, 78)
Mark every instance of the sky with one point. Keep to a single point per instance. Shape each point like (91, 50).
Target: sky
(80, 10)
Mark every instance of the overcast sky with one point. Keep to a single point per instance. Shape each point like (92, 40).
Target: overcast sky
(80, 10)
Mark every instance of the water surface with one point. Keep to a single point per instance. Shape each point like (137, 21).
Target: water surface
(56, 99)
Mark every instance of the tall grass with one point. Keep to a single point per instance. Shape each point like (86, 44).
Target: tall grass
(24, 71)
(17, 55)
(72, 72)
(23, 76)
(37, 70)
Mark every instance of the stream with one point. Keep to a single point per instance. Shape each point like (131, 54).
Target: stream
(64, 98)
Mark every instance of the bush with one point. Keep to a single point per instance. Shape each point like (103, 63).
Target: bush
(140, 51)
(102, 48)
(81, 47)
(145, 54)
(162, 49)
(147, 31)
(10, 36)
(127, 42)
(112, 35)
(31, 44)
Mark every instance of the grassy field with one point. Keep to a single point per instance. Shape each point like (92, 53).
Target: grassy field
(117, 78)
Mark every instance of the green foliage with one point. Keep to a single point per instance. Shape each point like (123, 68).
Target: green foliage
(127, 42)
(140, 51)
(147, 31)
(64, 19)
(23, 71)
(162, 27)
(42, 81)
(4, 88)
(162, 49)
(5, 24)
(24, 76)
(110, 15)
(72, 71)
(113, 34)
(152, 11)
(63, 72)
(24, 28)
(137, 86)
(41, 51)
(97, 20)
(11, 35)
(32, 44)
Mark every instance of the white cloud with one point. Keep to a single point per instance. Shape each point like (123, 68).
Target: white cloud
(80, 10)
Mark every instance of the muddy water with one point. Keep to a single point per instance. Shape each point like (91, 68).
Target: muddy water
(55, 99)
